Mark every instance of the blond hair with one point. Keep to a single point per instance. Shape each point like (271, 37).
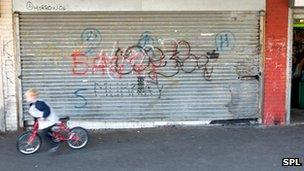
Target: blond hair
(32, 92)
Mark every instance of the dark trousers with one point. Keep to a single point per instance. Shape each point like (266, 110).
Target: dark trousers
(47, 138)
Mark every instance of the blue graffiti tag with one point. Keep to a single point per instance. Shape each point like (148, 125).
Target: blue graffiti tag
(224, 41)
(91, 39)
(82, 98)
(146, 41)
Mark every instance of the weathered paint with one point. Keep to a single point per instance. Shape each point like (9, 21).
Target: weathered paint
(8, 65)
(275, 62)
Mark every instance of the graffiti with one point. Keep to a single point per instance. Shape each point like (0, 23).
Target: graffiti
(108, 89)
(224, 41)
(136, 59)
(213, 54)
(144, 60)
(79, 59)
(158, 87)
(81, 98)
(143, 88)
(91, 39)
(247, 69)
(147, 41)
(9, 75)
(140, 85)
(44, 7)
(9, 72)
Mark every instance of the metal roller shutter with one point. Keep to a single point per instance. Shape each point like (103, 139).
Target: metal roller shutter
(143, 66)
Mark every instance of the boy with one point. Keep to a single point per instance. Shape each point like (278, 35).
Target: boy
(46, 117)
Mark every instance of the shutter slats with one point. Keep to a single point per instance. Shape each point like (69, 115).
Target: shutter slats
(187, 88)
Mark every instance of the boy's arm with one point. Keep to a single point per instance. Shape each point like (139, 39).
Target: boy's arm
(43, 107)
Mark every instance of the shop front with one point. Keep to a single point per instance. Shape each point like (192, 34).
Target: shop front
(297, 66)
(143, 64)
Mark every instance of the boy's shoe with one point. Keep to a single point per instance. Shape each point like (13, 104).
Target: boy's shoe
(53, 149)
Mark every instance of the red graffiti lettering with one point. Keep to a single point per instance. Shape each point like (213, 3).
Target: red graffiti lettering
(80, 64)
(100, 62)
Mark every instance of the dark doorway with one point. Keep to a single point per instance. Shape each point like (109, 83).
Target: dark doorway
(297, 85)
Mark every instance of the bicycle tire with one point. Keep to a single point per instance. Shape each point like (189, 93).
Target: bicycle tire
(25, 148)
(84, 136)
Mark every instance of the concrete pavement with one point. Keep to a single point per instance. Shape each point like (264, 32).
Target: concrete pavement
(170, 148)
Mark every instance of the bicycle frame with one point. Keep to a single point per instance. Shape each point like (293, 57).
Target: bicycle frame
(34, 132)
(63, 128)
(57, 135)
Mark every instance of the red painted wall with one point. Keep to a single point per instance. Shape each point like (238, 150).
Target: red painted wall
(275, 62)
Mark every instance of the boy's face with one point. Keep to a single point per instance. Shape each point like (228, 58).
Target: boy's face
(30, 99)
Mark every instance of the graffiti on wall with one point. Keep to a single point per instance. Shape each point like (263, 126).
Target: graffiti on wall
(146, 61)
(143, 87)
(224, 41)
(91, 40)
(44, 7)
(9, 71)
(83, 100)
(8, 75)
(142, 61)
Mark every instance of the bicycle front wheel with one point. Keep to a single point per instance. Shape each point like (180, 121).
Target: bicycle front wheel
(79, 138)
(24, 145)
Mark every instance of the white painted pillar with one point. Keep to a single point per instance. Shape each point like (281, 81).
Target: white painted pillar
(8, 95)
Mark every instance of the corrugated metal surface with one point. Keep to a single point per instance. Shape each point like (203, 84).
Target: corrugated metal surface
(143, 66)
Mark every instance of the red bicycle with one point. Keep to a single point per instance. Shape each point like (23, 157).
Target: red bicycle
(30, 141)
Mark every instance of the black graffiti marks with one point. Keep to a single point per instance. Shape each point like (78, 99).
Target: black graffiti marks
(213, 54)
(123, 89)
(143, 88)
(159, 88)
(154, 61)
(147, 41)
(44, 7)
(145, 60)
(140, 85)
(112, 90)
(9, 68)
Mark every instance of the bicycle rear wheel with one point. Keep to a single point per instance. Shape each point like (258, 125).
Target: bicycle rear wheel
(24, 146)
(79, 138)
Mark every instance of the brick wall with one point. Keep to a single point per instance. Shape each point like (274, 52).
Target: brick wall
(8, 64)
(274, 111)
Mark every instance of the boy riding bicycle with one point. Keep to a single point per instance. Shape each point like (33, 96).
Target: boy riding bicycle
(45, 114)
